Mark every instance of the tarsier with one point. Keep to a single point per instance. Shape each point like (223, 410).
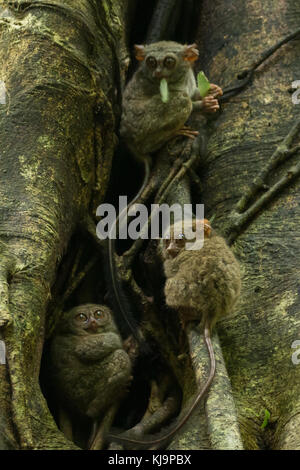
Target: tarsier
(148, 123)
(90, 371)
(202, 285)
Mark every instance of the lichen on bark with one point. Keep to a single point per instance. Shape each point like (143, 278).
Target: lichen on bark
(256, 340)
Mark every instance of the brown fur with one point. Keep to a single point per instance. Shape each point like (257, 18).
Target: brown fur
(148, 123)
(89, 368)
(204, 283)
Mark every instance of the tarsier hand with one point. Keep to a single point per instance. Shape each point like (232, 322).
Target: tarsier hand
(210, 103)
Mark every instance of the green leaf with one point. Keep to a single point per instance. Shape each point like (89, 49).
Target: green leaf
(203, 84)
(164, 90)
(212, 218)
(266, 420)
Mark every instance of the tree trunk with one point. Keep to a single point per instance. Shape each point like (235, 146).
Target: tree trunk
(64, 68)
(57, 140)
(256, 341)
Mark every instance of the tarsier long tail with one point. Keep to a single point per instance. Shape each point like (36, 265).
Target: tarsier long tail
(205, 388)
(116, 285)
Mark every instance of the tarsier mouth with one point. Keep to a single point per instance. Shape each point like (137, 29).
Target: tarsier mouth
(92, 327)
(172, 252)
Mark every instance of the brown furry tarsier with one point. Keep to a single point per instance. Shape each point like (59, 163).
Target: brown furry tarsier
(148, 123)
(90, 371)
(202, 285)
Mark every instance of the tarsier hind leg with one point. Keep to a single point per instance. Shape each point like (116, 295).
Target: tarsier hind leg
(187, 132)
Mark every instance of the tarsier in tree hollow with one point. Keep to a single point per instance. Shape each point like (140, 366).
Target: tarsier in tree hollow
(148, 123)
(202, 285)
(90, 371)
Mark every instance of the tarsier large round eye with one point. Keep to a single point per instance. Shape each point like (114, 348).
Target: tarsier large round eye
(151, 62)
(81, 317)
(180, 240)
(169, 62)
(99, 315)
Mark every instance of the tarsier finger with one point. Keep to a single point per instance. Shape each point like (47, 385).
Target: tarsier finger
(215, 90)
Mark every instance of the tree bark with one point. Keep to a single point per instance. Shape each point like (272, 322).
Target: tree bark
(64, 67)
(256, 340)
(57, 61)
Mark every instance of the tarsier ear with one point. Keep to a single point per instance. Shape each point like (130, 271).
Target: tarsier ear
(139, 51)
(207, 228)
(191, 53)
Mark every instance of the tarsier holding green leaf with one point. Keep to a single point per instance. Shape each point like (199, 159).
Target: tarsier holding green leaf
(90, 370)
(161, 95)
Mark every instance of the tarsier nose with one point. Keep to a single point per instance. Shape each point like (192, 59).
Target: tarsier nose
(172, 250)
(93, 325)
(158, 73)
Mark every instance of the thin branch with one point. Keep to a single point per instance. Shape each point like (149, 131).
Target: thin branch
(173, 178)
(238, 221)
(162, 406)
(174, 170)
(153, 422)
(195, 178)
(79, 278)
(99, 441)
(239, 217)
(234, 90)
(181, 173)
(148, 191)
(75, 266)
(246, 76)
(88, 226)
(73, 282)
(265, 55)
(282, 153)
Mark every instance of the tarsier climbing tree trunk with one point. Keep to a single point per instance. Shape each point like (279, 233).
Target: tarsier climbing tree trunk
(63, 65)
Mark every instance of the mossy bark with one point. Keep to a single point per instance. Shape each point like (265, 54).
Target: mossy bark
(64, 65)
(57, 60)
(256, 340)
